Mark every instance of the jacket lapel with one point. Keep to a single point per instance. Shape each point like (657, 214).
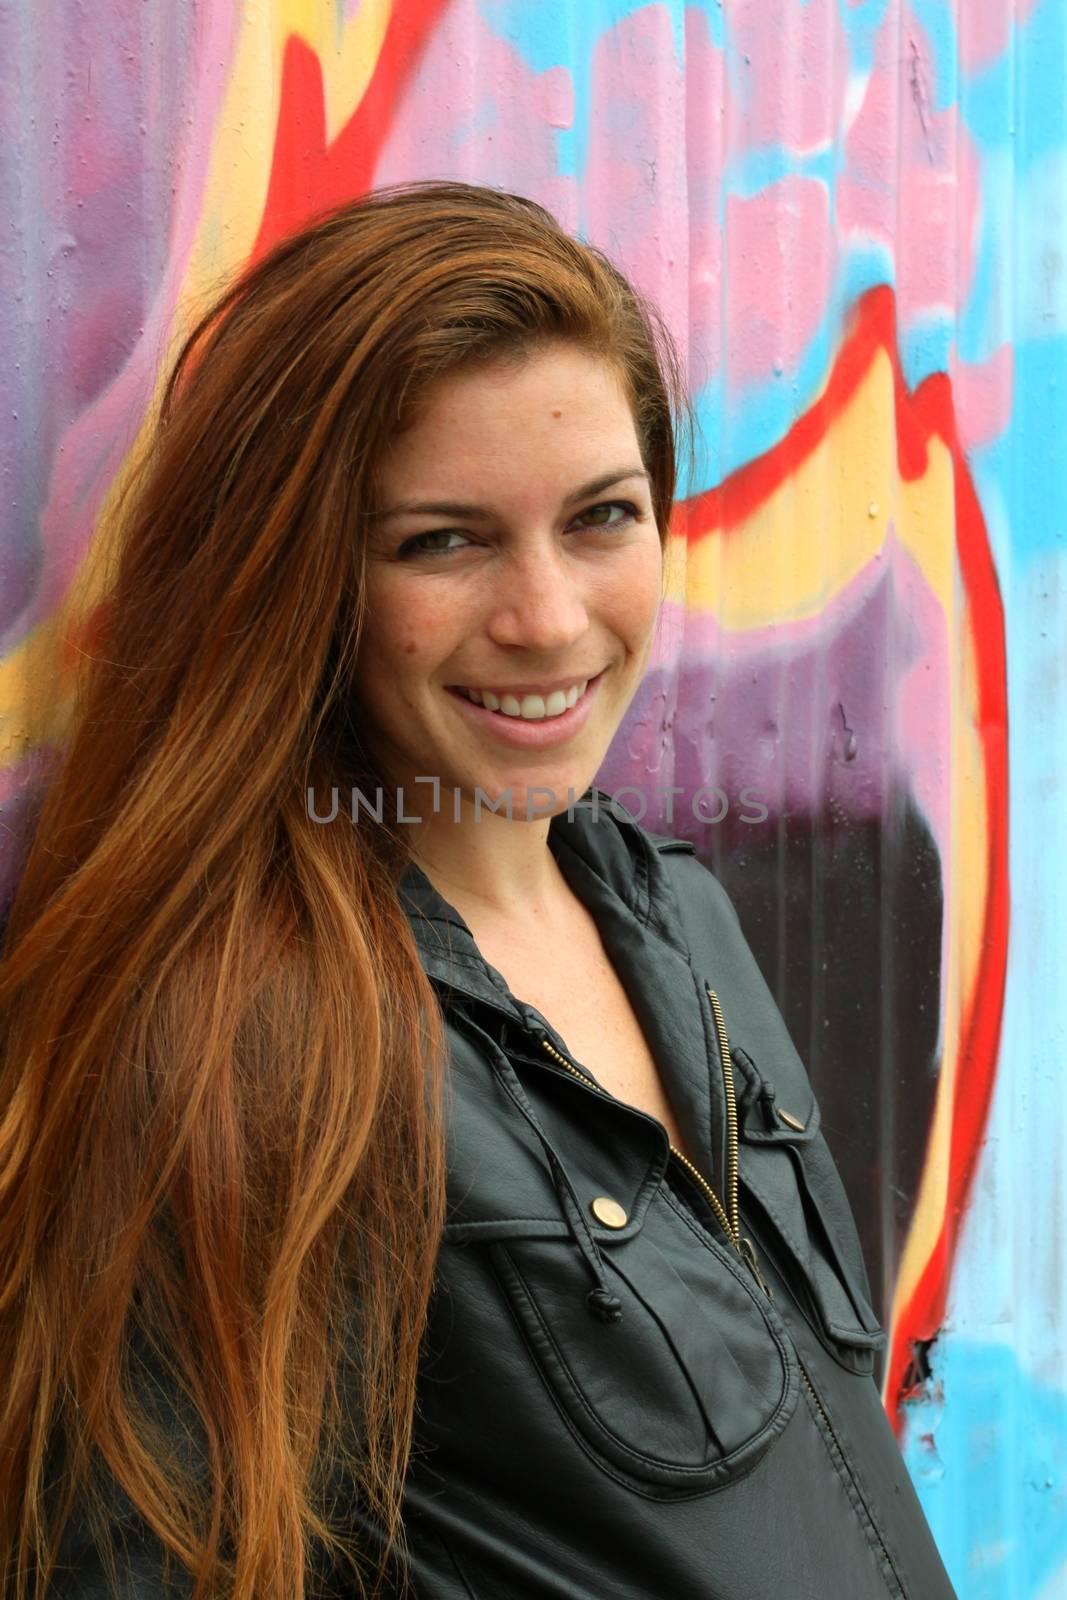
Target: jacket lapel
(615, 871)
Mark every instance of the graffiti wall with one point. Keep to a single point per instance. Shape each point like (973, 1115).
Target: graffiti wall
(853, 214)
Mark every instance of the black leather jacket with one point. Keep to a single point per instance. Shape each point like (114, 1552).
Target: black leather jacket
(640, 1380)
(644, 1381)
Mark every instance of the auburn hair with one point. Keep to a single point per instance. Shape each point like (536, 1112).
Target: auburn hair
(223, 1101)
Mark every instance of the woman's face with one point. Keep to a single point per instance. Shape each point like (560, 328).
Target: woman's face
(516, 561)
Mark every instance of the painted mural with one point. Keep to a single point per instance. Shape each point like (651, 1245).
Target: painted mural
(853, 214)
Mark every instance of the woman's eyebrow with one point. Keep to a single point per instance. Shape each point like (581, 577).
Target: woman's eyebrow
(455, 508)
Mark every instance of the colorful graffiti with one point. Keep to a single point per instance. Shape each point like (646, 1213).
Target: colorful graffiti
(852, 214)
(859, 622)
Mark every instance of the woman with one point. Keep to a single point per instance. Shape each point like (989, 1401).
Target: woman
(378, 1107)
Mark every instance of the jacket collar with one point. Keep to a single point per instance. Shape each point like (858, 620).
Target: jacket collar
(615, 869)
(608, 860)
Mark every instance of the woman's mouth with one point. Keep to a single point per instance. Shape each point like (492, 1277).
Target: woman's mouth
(528, 720)
(530, 707)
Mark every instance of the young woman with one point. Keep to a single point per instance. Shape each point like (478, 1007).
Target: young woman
(408, 1183)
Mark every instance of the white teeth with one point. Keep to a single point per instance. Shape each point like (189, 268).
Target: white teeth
(532, 707)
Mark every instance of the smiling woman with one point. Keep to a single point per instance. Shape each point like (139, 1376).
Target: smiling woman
(435, 1207)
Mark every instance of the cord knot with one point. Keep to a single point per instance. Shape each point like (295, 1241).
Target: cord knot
(768, 1096)
(605, 1305)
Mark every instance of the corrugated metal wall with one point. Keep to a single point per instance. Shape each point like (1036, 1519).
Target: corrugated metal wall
(854, 215)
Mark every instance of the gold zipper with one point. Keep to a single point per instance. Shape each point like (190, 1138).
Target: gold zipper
(744, 1245)
(731, 1115)
(729, 1223)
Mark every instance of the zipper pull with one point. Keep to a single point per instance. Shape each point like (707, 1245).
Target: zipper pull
(747, 1249)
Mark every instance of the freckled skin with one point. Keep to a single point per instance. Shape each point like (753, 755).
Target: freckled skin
(529, 593)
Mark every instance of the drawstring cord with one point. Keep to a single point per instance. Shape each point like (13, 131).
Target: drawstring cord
(757, 1088)
(603, 1303)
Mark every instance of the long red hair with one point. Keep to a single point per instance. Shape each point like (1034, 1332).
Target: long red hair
(222, 1113)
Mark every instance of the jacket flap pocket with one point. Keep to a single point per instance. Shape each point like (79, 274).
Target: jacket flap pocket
(613, 1158)
(498, 1172)
(834, 1278)
(488, 1230)
(775, 1105)
(528, 1134)
(692, 1381)
(791, 1173)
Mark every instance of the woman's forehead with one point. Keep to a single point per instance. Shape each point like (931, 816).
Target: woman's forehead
(527, 371)
(567, 405)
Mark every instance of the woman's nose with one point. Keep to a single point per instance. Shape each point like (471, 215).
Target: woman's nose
(539, 603)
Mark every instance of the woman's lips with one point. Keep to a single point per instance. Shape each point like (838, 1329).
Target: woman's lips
(534, 734)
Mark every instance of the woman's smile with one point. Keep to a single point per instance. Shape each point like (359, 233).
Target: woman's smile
(531, 721)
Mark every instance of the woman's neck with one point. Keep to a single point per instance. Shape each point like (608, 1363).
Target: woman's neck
(491, 866)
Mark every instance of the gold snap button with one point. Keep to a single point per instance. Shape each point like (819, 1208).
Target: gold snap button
(608, 1211)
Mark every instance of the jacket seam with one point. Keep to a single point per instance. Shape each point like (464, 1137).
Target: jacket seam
(454, 1563)
(857, 1498)
(462, 1233)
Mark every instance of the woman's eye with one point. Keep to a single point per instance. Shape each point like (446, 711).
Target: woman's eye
(432, 542)
(624, 506)
(443, 541)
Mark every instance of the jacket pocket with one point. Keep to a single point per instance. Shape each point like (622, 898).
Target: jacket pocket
(693, 1381)
(786, 1167)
